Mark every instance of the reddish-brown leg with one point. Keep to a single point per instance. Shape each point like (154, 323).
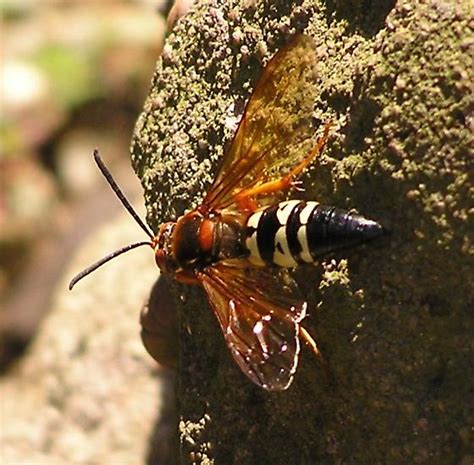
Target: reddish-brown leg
(186, 278)
(309, 340)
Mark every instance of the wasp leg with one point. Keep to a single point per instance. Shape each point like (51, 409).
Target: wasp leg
(244, 198)
(186, 278)
(312, 343)
(308, 339)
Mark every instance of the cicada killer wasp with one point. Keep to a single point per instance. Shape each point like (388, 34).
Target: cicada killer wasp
(241, 241)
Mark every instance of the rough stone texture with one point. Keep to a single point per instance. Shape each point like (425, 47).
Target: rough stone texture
(394, 319)
(87, 392)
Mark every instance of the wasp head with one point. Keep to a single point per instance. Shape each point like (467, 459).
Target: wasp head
(163, 247)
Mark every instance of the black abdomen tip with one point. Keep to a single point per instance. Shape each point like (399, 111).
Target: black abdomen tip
(331, 228)
(365, 228)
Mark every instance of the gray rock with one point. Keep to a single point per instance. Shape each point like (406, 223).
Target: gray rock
(87, 392)
(394, 321)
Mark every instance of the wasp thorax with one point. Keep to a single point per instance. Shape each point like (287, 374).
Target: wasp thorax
(164, 256)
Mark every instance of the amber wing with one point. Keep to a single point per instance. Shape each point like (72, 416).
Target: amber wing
(275, 131)
(259, 311)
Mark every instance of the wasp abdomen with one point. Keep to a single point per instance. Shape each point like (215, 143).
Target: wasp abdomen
(296, 231)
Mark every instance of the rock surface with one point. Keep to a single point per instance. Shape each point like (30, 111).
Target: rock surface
(394, 321)
(87, 392)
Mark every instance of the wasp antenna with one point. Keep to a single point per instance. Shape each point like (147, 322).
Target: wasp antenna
(118, 192)
(107, 258)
